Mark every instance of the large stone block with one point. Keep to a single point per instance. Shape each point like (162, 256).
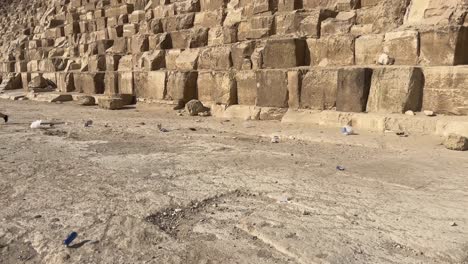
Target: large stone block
(368, 48)
(111, 83)
(402, 46)
(178, 22)
(188, 60)
(272, 88)
(246, 87)
(444, 46)
(152, 60)
(89, 83)
(181, 86)
(151, 85)
(446, 90)
(396, 90)
(353, 89)
(209, 19)
(302, 24)
(332, 50)
(319, 88)
(217, 87)
(215, 58)
(284, 53)
(65, 82)
(212, 4)
(241, 55)
(126, 83)
(190, 38)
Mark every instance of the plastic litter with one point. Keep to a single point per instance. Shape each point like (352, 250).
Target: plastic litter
(340, 168)
(275, 139)
(162, 129)
(72, 236)
(36, 124)
(347, 130)
(88, 123)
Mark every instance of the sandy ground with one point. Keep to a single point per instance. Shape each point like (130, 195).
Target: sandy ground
(218, 191)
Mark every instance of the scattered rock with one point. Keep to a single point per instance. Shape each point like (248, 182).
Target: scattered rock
(86, 100)
(410, 113)
(111, 103)
(195, 107)
(453, 224)
(384, 59)
(456, 142)
(429, 113)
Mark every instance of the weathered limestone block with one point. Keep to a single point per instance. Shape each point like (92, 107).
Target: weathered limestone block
(159, 41)
(171, 57)
(256, 27)
(130, 30)
(215, 58)
(233, 17)
(119, 10)
(444, 46)
(11, 82)
(368, 48)
(139, 44)
(111, 83)
(137, 16)
(25, 79)
(65, 82)
(284, 53)
(190, 38)
(396, 90)
(446, 90)
(295, 78)
(456, 142)
(314, 4)
(212, 4)
(241, 54)
(153, 60)
(319, 88)
(89, 83)
(186, 6)
(217, 87)
(115, 32)
(188, 60)
(289, 5)
(181, 86)
(332, 50)
(433, 12)
(402, 46)
(111, 103)
(246, 87)
(125, 83)
(21, 66)
(353, 89)
(209, 19)
(97, 63)
(222, 35)
(262, 6)
(341, 24)
(150, 85)
(112, 62)
(178, 22)
(126, 63)
(272, 88)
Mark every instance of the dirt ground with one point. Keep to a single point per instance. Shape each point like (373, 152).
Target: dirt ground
(218, 191)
